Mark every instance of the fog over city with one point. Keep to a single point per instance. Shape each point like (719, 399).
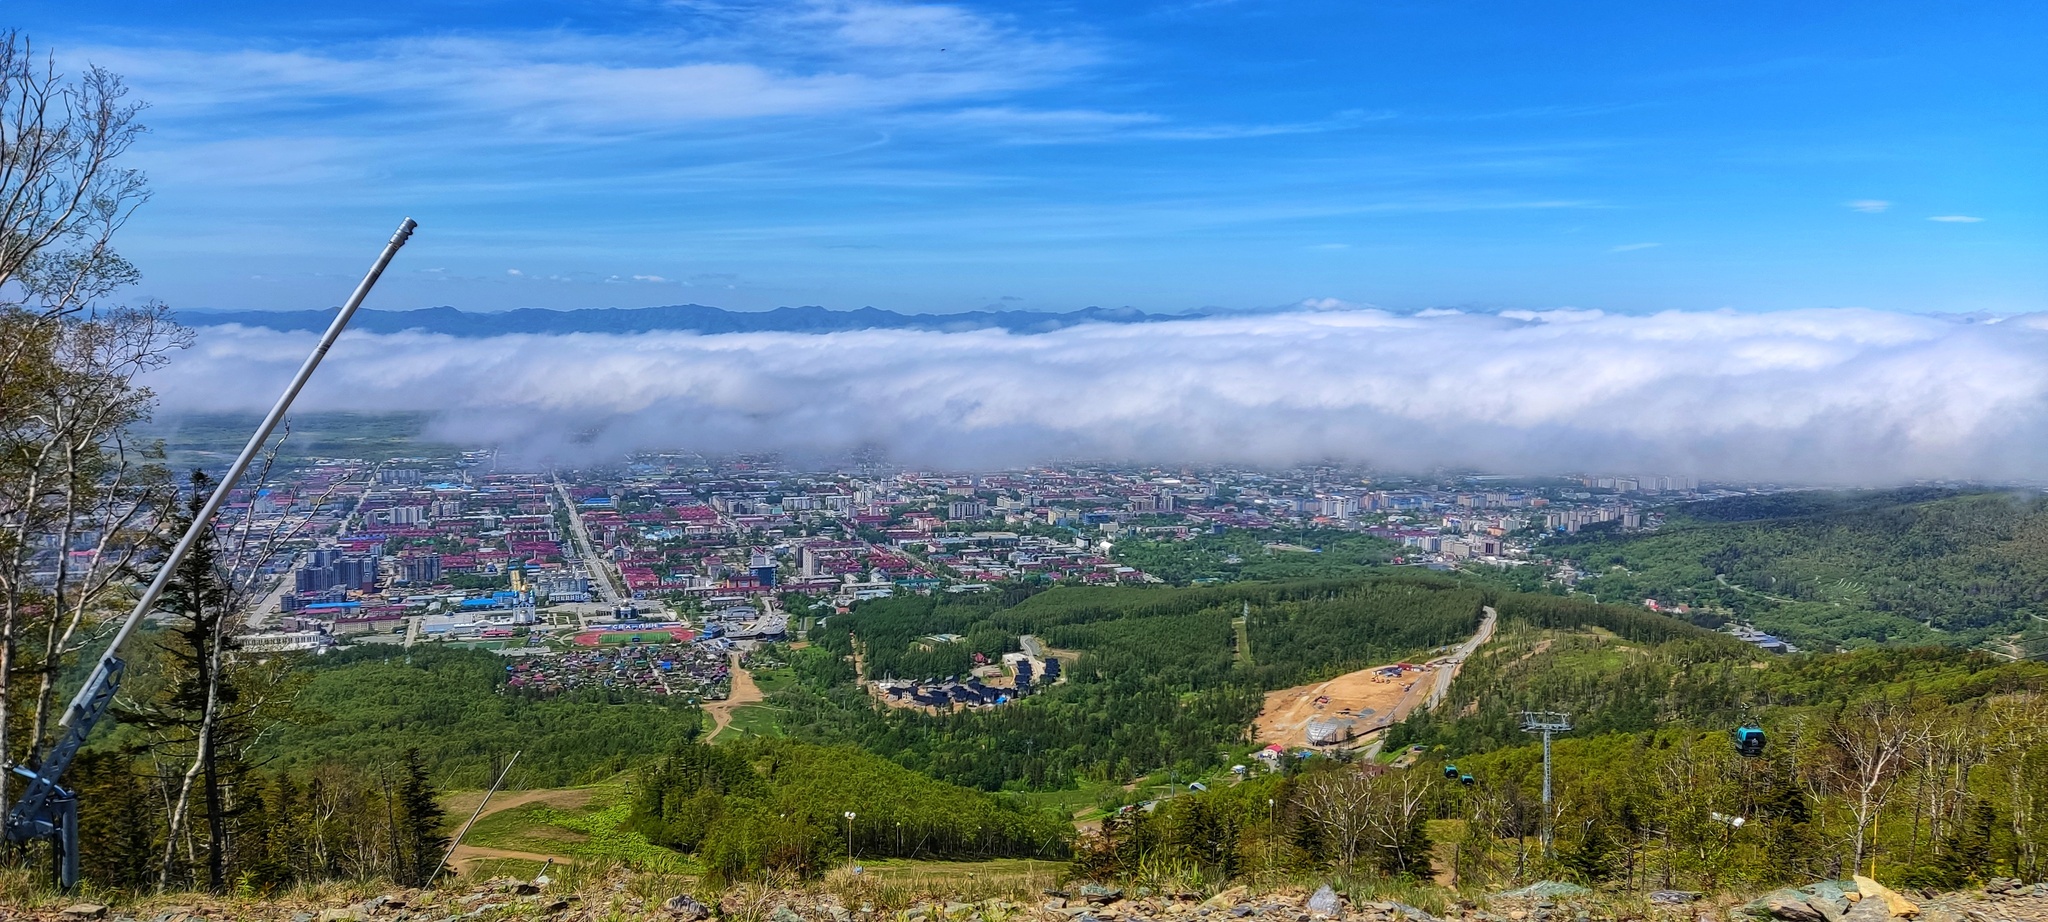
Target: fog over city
(1818, 396)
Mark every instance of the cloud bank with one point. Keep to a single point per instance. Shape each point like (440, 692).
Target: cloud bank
(1833, 396)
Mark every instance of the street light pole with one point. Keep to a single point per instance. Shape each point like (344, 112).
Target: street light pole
(849, 841)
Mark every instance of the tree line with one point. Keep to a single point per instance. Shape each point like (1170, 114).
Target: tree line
(781, 806)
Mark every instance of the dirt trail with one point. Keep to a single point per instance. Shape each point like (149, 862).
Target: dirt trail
(744, 692)
(465, 857)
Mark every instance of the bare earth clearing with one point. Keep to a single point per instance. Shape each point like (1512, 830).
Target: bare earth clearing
(744, 692)
(1374, 700)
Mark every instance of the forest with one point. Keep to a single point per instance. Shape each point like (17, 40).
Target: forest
(1159, 680)
(1828, 570)
(1928, 766)
(1243, 554)
(779, 806)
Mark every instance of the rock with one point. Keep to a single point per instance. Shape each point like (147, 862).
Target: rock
(296, 917)
(1226, 899)
(1789, 905)
(1414, 913)
(1099, 894)
(784, 914)
(1056, 903)
(1898, 906)
(344, 914)
(686, 907)
(83, 911)
(556, 906)
(1324, 901)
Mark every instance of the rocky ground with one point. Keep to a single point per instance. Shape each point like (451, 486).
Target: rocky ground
(613, 900)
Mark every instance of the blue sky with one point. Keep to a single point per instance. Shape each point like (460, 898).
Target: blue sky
(1167, 156)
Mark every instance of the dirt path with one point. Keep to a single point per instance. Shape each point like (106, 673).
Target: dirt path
(459, 805)
(744, 692)
(464, 858)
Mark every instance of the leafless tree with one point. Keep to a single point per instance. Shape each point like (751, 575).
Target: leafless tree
(62, 194)
(78, 502)
(1873, 747)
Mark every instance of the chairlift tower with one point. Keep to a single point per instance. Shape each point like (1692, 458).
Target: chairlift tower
(1547, 723)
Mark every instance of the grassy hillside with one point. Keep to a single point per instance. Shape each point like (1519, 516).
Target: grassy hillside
(1903, 567)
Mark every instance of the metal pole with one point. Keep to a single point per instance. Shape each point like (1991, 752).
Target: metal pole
(204, 519)
(472, 818)
(1546, 793)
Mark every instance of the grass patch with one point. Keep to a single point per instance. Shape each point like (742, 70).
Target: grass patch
(755, 720)
(775, 680)
(595, 833)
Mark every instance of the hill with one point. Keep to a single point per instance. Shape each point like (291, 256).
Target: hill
(1157, 681)
(694, 318)
(1930, 761)
(1828, 569)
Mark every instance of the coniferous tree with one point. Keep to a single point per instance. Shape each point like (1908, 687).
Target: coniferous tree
(420, 839)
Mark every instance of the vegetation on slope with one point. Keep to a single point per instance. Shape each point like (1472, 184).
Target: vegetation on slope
(1913, 567)
(1930, 762)
(363, 707)
(777, 805)
(1157, 685)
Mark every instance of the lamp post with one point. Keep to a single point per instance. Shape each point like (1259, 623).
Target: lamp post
(849, 841)
(1272, 838)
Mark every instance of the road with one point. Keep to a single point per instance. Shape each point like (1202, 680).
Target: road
(1444, 676)
(600, 568)
(260, 612)
(1441, 684)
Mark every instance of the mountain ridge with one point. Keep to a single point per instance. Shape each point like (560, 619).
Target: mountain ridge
(696, 318)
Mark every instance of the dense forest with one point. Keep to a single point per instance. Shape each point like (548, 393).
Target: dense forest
(1253, 554)
(1159, 679)
(1832, 569)
(367, 705)
(776, 805)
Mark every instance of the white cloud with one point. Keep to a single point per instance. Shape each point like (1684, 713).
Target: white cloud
(1868, 205)
(1955, 219)
(685, 67)
(649, 278)
(1627, 247)
(514, 272)
(1820, 396)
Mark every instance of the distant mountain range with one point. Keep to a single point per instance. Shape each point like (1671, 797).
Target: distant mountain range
(695, 318)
